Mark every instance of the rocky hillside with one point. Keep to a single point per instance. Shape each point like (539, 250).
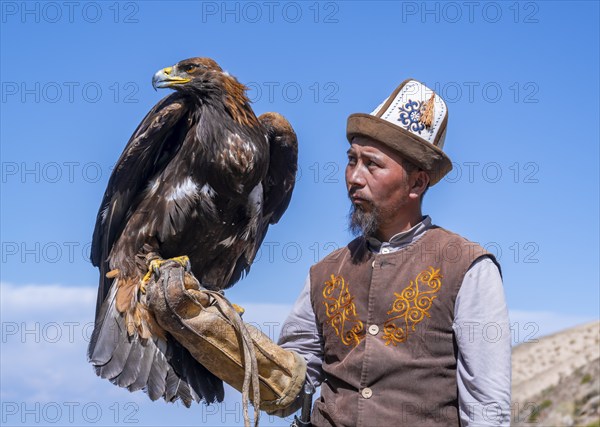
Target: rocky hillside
(556, 380)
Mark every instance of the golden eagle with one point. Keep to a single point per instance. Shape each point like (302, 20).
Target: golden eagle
(201, 176)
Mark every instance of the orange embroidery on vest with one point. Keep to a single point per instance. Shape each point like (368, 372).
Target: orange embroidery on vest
(411, 306)
(341, 311)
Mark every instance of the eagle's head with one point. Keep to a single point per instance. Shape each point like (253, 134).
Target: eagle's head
(206, 82)
(187, 74)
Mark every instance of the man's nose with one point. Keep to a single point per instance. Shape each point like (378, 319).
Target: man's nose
(354, 176)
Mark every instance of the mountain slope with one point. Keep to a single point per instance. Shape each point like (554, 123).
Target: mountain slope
(556, 380)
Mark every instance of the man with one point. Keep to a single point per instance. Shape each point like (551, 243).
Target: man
(407, 325)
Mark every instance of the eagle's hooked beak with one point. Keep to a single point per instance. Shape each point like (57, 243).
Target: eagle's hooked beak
(167, 77)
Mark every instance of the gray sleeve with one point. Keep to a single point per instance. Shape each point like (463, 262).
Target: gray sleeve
(301, 334)
(482, 332)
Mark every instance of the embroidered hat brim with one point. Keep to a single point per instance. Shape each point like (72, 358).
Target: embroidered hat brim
(426, 155)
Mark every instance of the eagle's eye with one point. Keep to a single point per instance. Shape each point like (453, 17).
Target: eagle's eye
(190, 67)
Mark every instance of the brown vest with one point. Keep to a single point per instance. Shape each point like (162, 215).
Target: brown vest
(386, 319)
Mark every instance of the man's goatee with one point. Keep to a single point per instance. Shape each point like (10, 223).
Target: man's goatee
(363, 222)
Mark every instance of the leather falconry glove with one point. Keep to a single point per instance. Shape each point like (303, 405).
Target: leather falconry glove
(207, 325)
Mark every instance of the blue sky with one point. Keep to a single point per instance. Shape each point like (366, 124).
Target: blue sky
(520, 79)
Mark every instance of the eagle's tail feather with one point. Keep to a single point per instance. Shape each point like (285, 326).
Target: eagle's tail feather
(158, 365)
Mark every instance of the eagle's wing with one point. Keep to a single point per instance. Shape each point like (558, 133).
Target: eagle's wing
(278, 185)
(283, 165)
(159, 365)
(149, 149)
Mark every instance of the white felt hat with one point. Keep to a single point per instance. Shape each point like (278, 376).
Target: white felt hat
(411, 121)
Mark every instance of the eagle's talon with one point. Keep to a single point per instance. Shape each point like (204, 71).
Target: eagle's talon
(155, 265)
(154, 268)
(184, 261)
(147, 277)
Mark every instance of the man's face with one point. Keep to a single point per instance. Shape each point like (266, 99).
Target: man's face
(378, 185)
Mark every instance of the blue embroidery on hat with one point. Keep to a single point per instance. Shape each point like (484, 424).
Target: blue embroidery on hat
(410, 113)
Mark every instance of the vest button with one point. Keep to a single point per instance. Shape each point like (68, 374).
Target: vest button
(373, 264)
(373, 329)
(366, 393)
(385, 250)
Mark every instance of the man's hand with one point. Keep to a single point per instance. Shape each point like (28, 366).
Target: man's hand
(210, 328)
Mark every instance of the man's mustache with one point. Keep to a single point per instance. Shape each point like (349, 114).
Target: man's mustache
(352, 193)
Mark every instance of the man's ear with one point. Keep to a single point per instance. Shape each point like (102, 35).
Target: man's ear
(419, 183)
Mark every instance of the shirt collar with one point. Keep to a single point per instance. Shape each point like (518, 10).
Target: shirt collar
(403, 238)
